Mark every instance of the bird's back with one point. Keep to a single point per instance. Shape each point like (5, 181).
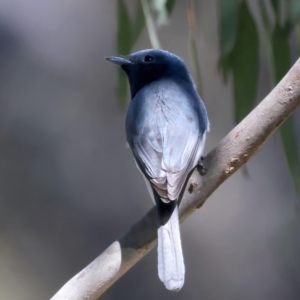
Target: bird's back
(166, 133)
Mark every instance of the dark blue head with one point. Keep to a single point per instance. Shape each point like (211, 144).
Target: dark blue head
(146, 66)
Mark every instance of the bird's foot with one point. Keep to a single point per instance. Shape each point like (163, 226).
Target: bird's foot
(201, 169)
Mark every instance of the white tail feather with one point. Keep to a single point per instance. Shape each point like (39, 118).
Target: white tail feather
(170, 259)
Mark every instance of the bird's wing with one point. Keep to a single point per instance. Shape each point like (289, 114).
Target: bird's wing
(167, 151)
(181, 154)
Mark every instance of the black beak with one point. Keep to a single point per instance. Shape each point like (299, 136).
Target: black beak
(121, 61)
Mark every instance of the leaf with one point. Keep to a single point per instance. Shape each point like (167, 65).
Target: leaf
(128, 33)
(194, 55)
(245, 63)
(165, 8)
(239, 53)
(294, 11)
(225, 66)
(150, 25)
(228, 21)
(138, 24)
(123, 29)
(265, 17)
(228, 15)
(162, 14)
(294, 20)
(123, 47)
(266, 34)
(122, 89)
(243, 57)
(282, 63)
(281, 51)
(290, 148)
(297, 34)
(170, 5)
(276, 7)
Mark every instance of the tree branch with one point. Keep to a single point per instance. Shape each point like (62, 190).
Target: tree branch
(232, 152)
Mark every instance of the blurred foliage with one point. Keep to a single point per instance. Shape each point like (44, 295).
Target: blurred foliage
(281, 64)
(241, 54)
(129, 30)
(193, 43)
(240, 36)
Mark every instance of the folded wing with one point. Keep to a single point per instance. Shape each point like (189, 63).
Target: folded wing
(167, 151)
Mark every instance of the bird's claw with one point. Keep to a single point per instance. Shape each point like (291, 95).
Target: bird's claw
(202, 170)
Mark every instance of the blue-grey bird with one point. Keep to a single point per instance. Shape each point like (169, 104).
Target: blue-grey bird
(166, 126)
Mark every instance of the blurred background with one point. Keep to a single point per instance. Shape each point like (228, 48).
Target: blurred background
(68, 184)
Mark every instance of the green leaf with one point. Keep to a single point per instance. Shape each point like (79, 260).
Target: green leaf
(294, 20)
(282, 63)
(239, 53)
(228, 21)
(228, 15)
(276, 7)
(266, 36)
(265, 17)
(150, 25)
(225, 66)
(122, 89)
(289, 143)
(128, 32)
(281, 51)
(162, 14)
(123, 29)
(294, 11)
(170, 5)
(123, 47)
(242, 59)
(194, 56)
(297, 34)
(138, 24)
(245, 63)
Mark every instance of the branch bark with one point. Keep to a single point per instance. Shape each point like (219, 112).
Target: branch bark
(232, 152)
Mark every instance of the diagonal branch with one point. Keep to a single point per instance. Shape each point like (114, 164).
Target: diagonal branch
(231, 153)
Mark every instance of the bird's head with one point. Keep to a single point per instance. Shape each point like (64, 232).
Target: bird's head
(146, 66)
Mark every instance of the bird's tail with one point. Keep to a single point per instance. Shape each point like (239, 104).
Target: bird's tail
(170, 259)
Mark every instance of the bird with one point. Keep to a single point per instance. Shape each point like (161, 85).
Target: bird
(166, 126)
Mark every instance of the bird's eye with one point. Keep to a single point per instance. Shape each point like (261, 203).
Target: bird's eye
(148, 58)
